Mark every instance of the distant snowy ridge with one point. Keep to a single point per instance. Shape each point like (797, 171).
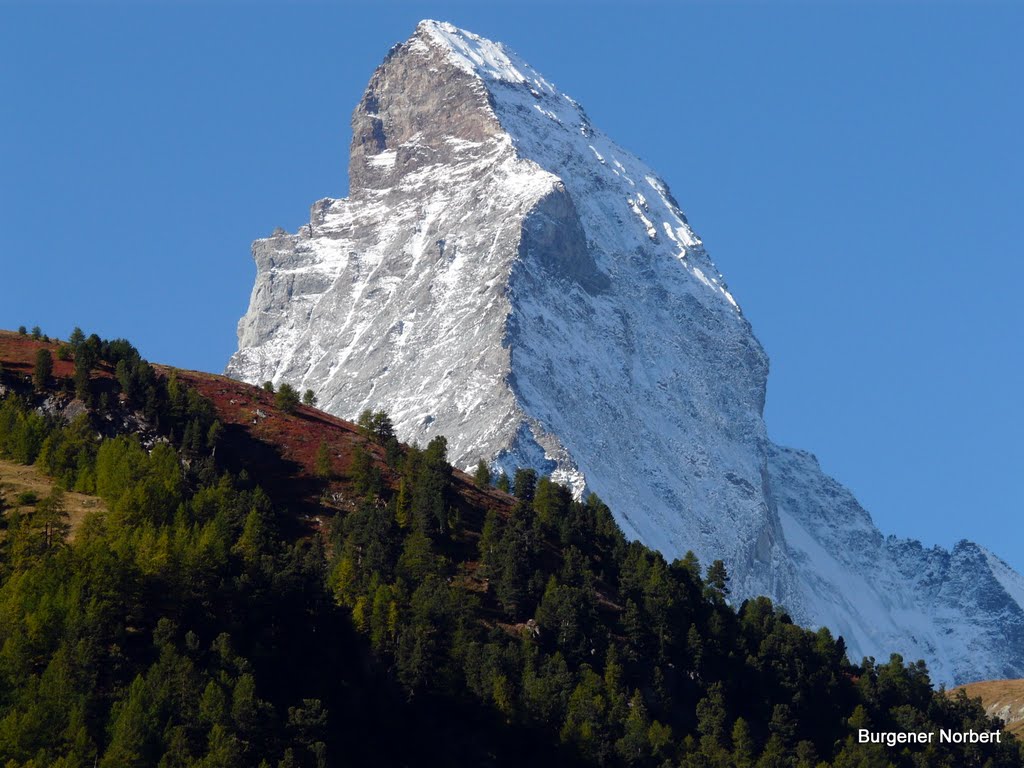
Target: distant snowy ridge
(504, 274)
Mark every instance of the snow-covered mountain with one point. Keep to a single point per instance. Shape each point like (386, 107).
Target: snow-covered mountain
(504, 274)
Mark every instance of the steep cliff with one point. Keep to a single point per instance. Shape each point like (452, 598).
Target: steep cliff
(504, 274)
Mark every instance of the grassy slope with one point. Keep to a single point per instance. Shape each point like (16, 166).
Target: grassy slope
(1001, 698)
(17, 478)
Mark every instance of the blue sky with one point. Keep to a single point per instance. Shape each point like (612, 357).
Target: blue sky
(854, 169)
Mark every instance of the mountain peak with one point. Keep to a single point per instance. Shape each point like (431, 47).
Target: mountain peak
(506, 275)
(478, 55)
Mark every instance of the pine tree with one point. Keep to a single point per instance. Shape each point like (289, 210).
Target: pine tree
(402, 514)
(324, 466)
(524, 484)
(287, 398)
(718, 579)
(52, 519)
(43, 369)
(309, 397)
(482, 475)
(743, 746)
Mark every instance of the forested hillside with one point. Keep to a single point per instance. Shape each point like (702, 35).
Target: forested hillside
(266, 585)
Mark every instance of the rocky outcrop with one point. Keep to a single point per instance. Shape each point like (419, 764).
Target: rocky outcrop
(504, 274)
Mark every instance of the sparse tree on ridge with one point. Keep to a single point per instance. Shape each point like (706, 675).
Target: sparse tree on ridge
(43, 370)
(287, 399)
(482, 475)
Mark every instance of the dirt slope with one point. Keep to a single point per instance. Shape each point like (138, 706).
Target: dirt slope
(1001, 698)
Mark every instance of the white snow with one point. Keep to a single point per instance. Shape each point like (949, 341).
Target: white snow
(630, 372)
(384, 159)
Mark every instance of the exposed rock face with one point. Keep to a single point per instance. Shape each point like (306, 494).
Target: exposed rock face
(507, 276)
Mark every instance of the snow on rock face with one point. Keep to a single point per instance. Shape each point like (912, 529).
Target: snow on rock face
(504, 274)
(961, 611)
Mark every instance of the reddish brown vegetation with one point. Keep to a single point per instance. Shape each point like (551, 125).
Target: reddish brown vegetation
(279, 449)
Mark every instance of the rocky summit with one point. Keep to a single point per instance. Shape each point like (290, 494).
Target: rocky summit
(506, 275)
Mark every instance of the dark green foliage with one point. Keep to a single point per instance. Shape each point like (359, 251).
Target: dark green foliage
(177, 629)
(22, 431)
(502, 483)
(524, 484)
(718, 579)
(365, 474)
(324, 465)
(376, 426)
(183, 627)
(37, 332)
(482, 474)
(21, 330)
(27, 499)
(268, 386)
(286, 398)
(309, 397)
(43, 369)
(428, 476)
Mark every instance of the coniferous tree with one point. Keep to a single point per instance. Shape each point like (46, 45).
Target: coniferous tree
(482, 474)
(718, 579)
(323, 465)
(524, 484)
(43, 369)
(286, 398)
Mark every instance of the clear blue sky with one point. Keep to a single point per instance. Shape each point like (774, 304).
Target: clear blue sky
(855, 170)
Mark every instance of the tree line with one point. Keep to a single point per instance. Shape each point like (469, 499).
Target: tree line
(183, 626)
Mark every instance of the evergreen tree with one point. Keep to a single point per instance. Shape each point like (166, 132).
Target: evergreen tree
(482, 475)
(524, 484)
(718, 579)
(324, 465)
(52, 519)
(43, 369)
(309, 397)
(286, 398)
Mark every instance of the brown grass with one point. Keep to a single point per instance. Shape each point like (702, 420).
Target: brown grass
(1001, 698)
(18, 478)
